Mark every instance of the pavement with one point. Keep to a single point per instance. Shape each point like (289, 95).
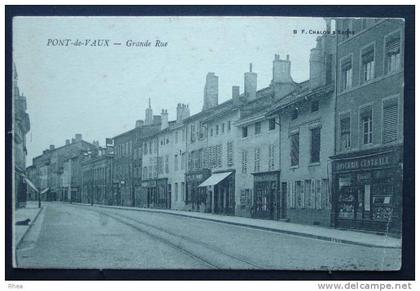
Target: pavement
(74, 236)
(31, 211)
(311, 231)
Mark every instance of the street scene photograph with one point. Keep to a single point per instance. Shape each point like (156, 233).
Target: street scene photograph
(196, 143)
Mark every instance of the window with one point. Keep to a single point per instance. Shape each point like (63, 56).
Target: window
(315, 106)
(183, 161)
(257, 154)
(315, 144)
(294, 149)
(257, 127)
(183, 191)
(271, 157)
(211, 132)
(167, 164)
(223, 127)
(219, 155)
(345, 133)
(366, 124)
(392, 53)
(145, 148)
(176, 163)
(244, 131)
(176, 191)
(271, 124)
(217, 129)
(390, 120)
(368, 64)
(346, 74)
(244, 162)
(229, 150)
(295, 113)
(228, 126)
(192, 133)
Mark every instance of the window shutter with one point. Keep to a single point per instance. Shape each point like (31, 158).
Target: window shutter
(390, 123)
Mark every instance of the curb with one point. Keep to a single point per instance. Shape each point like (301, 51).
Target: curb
(308, 235)
(29, 227)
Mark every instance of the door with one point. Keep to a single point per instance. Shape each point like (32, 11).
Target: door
(283, 200)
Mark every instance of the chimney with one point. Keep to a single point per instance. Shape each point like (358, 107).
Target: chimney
(235, 94)
(149, 115)
(182, 112)
(250, 84)
(78, 137)
(316, 66)
(186, 112)
(281, 70)
(139, 123)
(211, 91)
(157, 119)
(164, 119)
(67, 141)
(52, 147)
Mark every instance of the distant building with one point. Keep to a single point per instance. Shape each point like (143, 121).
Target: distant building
(57, 168)
(367, 166)
(21, 126)
(96, 178)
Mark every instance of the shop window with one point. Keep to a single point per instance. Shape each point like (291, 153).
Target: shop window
(271, 124)
(308, 197)
(368, 64)
(366, 125)
(314, 106)
(244, 131)
(315, 144)
(294, 149)
(257, 155)
(244, 162)
(299, 194)
(257, 127)
(345, 133)
(346, 74)
(392, 53)
(390, 120)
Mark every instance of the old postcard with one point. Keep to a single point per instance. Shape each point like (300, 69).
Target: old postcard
(208, 142)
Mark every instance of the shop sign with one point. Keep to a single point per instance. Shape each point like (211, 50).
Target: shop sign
(365, 163)
(147, 184)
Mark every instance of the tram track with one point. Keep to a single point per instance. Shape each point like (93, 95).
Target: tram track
(211, 256)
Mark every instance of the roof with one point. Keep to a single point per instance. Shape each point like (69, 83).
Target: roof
(302, 93)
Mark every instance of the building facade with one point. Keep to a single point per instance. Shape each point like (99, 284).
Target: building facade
(21, 126)
(367, 166)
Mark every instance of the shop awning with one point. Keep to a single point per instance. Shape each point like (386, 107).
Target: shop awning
(45, 190)
(215, 179)
(31, 184)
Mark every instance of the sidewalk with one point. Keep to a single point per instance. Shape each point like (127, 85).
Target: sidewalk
(31, 211)
(316, 232)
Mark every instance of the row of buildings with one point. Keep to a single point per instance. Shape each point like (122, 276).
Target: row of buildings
(326, 151)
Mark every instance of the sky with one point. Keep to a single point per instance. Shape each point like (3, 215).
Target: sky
(101, 91)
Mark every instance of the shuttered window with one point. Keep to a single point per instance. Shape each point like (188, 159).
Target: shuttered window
(392, 53)
(345, 133)
(390, 121)
(271, 157)
(229, 151)
(294, 149)
(257, 159)
(244, 162)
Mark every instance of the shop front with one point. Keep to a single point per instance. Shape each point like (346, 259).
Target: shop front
(367, 190)
(220, 193)
(157, 194)
(196, 196)
(268, 203)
